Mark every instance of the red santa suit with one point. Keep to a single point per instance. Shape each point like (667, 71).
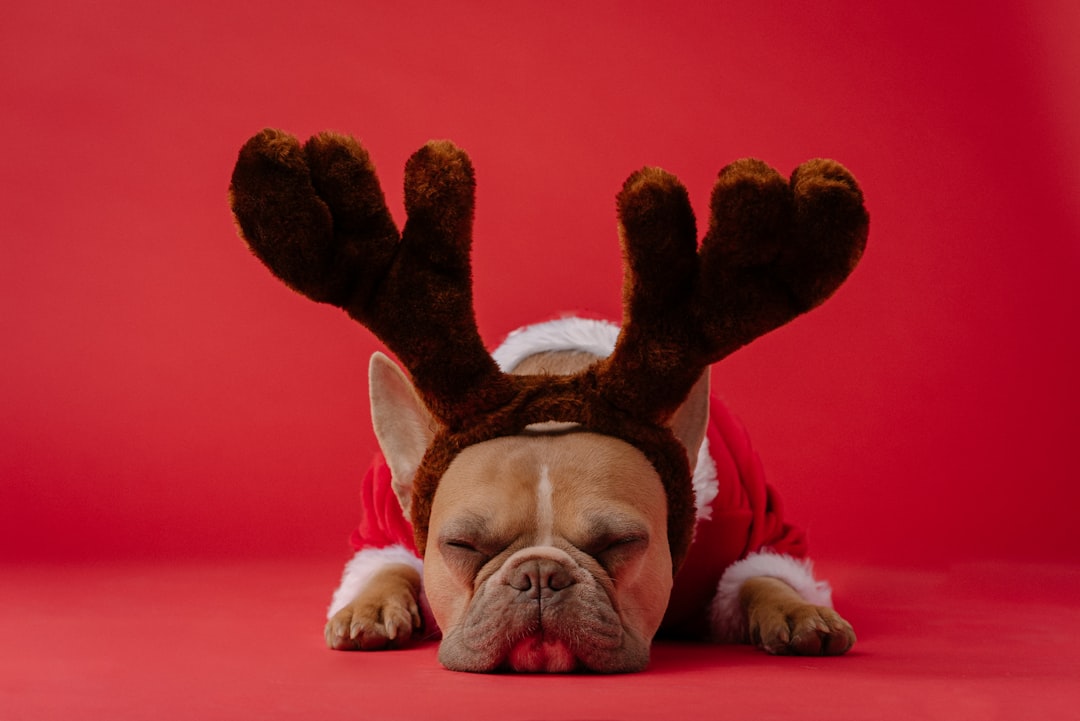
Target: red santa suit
(740, 530)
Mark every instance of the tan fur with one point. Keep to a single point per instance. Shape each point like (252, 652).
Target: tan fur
(403, 426)
(595, 480)
(554, 363)
(781, 622)
(383, 615)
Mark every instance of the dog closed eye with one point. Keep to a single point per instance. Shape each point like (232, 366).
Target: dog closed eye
(461, 546)
(463, 556)
(613, 549)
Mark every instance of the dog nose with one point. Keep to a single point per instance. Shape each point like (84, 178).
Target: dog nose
(540, 578)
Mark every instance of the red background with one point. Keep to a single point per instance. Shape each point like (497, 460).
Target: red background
(182, 438)
(162, 394)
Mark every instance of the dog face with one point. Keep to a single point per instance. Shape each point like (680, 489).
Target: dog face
(548, 550)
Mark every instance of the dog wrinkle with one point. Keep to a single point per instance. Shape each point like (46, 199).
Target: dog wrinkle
(501, 630)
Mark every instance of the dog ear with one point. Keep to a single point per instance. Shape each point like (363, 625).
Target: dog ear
(691, 420)
(403, 425)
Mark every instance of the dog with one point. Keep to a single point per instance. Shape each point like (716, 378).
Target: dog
(548, 550)
(578, 492)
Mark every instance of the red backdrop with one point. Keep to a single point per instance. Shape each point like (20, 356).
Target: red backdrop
(161, 394)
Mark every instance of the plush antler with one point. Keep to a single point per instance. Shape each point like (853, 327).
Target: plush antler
(316, 216)
(773, 251)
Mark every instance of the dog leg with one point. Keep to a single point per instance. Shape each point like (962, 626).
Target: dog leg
(781, 622)
(383, 615)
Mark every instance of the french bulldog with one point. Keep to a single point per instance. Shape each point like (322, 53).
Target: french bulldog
(578, 491)
(547, 550)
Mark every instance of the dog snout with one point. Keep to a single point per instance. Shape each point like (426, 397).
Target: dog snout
(540, 578)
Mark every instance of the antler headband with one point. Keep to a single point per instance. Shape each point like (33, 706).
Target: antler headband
(316, 216)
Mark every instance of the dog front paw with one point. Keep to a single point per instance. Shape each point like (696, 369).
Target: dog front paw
(371, 627)
(800, 630)
(781, 622)
(384, 615)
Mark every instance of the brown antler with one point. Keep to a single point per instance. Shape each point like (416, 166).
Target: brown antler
(316, 216)
(773, 251)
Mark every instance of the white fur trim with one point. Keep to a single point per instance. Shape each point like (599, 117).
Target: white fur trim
(726, 616)
(362, 568)
(705, 484)
(570, 333)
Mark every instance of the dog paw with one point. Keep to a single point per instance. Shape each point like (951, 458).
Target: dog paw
(373, 625)
(800, 630)
(384, 615)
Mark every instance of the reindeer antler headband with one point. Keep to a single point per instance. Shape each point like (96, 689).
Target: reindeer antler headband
(316, 216)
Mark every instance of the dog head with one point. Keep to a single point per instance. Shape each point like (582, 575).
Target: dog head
(546, 550)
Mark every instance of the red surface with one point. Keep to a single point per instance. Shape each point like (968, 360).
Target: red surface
(235, 640)
(164, 401)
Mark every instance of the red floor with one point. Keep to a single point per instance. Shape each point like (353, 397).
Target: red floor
(242, 640)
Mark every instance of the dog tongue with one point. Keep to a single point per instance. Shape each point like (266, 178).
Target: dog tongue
(536, 654)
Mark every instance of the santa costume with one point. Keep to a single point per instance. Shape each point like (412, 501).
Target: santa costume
(739, 533)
